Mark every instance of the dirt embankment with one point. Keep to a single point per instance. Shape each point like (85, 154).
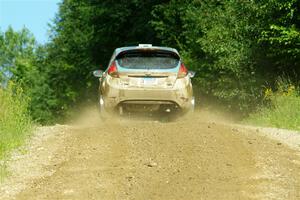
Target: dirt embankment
(194, 158)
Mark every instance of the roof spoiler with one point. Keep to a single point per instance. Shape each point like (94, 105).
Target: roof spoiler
(145, 45)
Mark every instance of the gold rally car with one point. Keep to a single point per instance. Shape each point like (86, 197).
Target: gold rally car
(145, 78)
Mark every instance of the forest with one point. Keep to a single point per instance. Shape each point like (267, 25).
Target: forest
(246, 53)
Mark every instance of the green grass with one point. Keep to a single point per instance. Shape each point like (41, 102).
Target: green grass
(15, 121)
(283, 110)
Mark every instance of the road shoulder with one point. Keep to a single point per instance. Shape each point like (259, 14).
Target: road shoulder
(34, 160)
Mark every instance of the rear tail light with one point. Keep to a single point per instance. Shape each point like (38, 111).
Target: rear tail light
(113, 70)
(182, 71)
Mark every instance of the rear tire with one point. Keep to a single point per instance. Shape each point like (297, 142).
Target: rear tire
(192, 108)
(101, 108)
(121, 110)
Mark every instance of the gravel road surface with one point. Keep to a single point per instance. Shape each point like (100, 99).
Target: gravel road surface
(190, 158)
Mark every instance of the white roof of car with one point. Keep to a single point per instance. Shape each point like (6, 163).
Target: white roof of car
(145, 46)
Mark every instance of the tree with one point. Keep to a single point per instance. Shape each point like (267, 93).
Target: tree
(237, 46)
(281, 37)
(14, 46)
(23, 61)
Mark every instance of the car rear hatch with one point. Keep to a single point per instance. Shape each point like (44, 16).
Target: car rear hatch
(148, 68)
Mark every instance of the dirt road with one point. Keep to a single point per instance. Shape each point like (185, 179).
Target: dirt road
(146, 159)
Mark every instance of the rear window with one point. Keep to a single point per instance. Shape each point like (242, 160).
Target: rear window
(148, 59)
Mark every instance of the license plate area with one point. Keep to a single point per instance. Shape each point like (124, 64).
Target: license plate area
(149, 81)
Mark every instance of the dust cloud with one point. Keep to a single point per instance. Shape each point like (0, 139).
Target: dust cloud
(196, 156)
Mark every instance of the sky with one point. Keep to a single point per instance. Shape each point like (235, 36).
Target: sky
(33, 14)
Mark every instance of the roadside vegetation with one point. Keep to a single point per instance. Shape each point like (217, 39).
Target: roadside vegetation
(15, 121)
(238, 49)
(281, 109)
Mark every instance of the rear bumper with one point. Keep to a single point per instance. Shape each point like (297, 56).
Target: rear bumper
(180, 95)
